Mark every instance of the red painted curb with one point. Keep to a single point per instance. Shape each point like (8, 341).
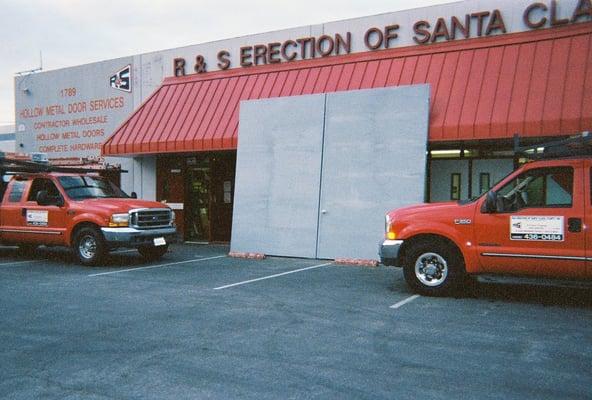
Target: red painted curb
(249, 256)
(356, 262)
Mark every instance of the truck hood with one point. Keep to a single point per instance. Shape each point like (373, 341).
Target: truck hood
(434, 211)
(424, 208)
(111, 206)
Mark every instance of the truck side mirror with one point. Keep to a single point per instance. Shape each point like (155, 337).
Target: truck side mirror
(43, 198)
(490, 204)
(133, 195)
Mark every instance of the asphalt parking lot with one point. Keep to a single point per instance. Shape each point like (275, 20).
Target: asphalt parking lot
(198, 324)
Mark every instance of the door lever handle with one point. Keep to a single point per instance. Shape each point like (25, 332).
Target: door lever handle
(574, 225)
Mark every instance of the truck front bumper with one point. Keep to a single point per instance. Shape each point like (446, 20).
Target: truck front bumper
(388, 251)
(131, 237)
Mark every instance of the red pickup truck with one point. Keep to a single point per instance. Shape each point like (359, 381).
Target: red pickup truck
(533, 223)
(82, 211)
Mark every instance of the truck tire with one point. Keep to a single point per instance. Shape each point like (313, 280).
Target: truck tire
(89, 246)
(152, 253)
(434, 268)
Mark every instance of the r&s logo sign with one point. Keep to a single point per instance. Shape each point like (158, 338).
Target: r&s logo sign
(122, 80)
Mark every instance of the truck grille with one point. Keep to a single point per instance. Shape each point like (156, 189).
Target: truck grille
(147, 219)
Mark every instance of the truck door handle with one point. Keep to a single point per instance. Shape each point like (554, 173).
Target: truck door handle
(574, 225)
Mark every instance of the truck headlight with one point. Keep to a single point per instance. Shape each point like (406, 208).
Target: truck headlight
(387, 229)
(118, 220)
(172, 217)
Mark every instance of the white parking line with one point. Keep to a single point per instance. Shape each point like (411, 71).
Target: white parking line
(403, 302)
(155, 266)
(271, 276)
(7, 264)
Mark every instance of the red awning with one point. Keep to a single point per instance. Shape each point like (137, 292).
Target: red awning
(536, 83)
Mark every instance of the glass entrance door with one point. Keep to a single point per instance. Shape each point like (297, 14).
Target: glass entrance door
(209, 196)
(197, 228)
(221, 195)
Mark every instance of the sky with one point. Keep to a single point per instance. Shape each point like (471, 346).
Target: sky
(69, 32)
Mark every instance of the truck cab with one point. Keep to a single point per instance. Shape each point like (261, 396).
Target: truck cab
(533, 223)
(83, 211)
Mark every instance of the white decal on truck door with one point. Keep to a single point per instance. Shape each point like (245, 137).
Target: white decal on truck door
(37, 218)
(538, 228)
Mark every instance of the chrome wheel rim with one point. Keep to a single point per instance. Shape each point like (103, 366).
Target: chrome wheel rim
(431, 269)
(87, 247)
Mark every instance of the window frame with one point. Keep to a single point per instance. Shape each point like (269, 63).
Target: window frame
(32, 186)
(546, 171)
(459, 192)
(481, 186)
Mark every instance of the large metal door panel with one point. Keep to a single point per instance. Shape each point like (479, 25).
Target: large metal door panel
(374, 160)
(277, 176)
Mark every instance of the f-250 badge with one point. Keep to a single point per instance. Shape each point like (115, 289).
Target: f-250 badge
(463, 222)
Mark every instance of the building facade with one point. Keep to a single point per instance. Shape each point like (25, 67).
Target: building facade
(7, 138)
(493, 69)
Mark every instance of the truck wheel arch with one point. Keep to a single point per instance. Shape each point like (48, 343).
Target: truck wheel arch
(430, 238)
(80, 225)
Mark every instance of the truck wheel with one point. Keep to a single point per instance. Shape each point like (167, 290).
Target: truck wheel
(89, 246)
(433, 269)
(153, 252)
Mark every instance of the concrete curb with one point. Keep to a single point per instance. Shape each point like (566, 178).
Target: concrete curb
(356, 262)
(249, 256)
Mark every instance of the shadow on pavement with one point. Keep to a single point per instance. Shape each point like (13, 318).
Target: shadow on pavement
(64, 255)
(546, 295)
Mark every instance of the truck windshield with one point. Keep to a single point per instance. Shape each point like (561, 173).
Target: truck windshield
(90, 187)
